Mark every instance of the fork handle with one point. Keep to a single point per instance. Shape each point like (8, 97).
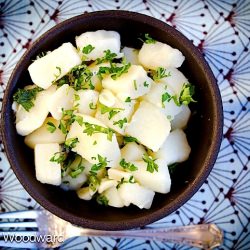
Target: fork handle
(206, 236)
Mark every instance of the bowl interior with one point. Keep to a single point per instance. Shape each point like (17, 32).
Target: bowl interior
(204, 129)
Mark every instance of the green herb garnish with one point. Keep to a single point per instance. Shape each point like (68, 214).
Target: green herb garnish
(151, 165)
(172, 167)
(93, 182)
(128, 99)
(108, 57)
(166, 97)
(121, 122)
(87, 49)
(71, 142)
(59, 157)
(128, 139)
(26, 97)
(135, 84)
(160, 73)
(102, 200)
(102, 164)
(94, 129)
(127, 165)
(92, 106)
(112, 111)
(149, 39)
(74, 173)
(145, 84)
(51, 127)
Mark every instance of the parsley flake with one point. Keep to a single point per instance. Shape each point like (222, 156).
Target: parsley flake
(26, 97)
(51, 127)
(151, 165)
(127, 165)
(166, 97)
(71, 142)
(102, 200)
(121, 122)
(160, 73)
(87, 49)
(112, 111)
(102, 164)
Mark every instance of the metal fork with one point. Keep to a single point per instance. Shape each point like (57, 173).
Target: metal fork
(52, 231)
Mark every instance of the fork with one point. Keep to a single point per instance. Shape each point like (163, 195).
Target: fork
(51, 231)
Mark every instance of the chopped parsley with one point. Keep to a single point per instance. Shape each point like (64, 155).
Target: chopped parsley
(102, 200)
(121, 122)
(59, 157)
(91, 129)
(166, 97)
(186, 94)
(135, 84)
(75, 172)
(93, 182)
(127, 165)
(151, 165)
(108, 57)
(87, 49)
(113, 70)
(71, 142)
(128, 139)
(92, 105)
(26, 97)
(128, 99)
(112, 111)
(76, 97)
(122, 181)
(160, 73)
(147, 39)
(51, 127)
(58, 73)
(145, 84)
(100, 165)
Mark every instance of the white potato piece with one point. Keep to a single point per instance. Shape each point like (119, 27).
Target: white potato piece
(69, 183)
(175, 148)
(63, 98)
(170, 109)
(106, 184)
(154, 55)
(133, 84)
(118, 121)
(181, 119)
(85, 193)
(56, 64)
(117, 174)
(131, 55)
(175, 81)
(101, 40)
(43, 135)
(113, 197)
(87, 103)
(46, 171)
(149, 125)
(95, 79)
(28, 121)
(90, 146)
(132, 152)
(136, 194)
(158, 181)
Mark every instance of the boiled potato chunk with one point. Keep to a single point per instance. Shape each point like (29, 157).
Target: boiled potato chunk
(123, 111)
(149, 125)
(133, 84)
(170, 109)
(87, 102)
(62, 99)
(117, 174)
(43, 135)
(154, 55)
(69, 183)
(158, 181)
(136, 194)
(175, 81)
(131, 55)
(132, 152)
(90, 146)
(56, 64)
(101, 40)
(47, 171)
(106, 184)
(28, 121)
(175, 148)
(85, 193)
(181, 119)
(113, 197)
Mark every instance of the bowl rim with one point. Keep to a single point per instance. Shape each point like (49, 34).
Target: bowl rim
(194, 186)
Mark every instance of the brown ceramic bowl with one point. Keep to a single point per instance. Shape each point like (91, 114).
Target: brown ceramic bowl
(204, 130)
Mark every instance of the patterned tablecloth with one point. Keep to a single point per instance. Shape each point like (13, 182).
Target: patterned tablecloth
(221, 30)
